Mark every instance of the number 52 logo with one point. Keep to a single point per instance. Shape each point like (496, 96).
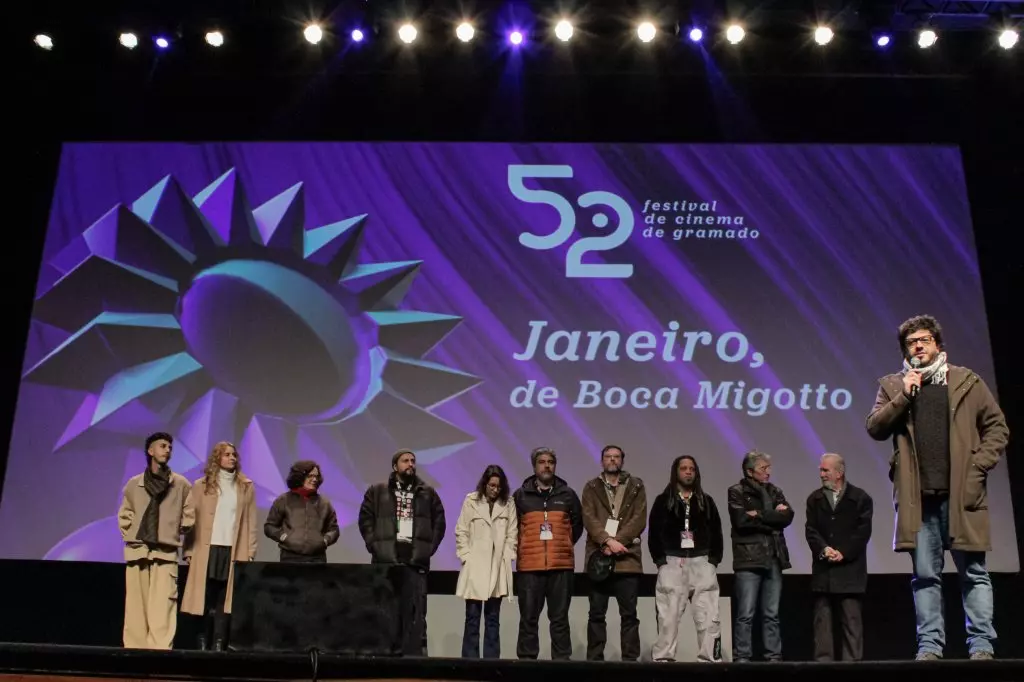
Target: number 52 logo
(574, 265)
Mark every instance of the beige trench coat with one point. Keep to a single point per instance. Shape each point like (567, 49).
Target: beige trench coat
(486, 544)
(197, 543)
(977, 438)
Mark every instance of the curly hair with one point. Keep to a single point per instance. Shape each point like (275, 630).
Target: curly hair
(919, 323)
(297, 474)
(211, 481)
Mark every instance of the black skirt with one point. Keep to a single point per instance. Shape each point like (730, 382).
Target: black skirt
(220, 563)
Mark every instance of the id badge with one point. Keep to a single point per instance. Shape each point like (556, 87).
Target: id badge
(405, 529)
(611, 526)
(545, 532)
(686, 540)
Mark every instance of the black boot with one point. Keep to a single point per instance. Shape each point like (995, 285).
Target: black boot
(218, 644)
(202, 642)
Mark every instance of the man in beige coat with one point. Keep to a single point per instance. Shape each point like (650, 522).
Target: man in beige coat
(156, 510)
(948, 433)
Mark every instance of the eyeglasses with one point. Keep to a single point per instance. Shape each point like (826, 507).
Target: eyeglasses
(923, 340)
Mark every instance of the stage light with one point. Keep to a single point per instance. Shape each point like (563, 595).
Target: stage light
(883, 40)
(313, 33)
(465, 32)
(823, 35)
(515, 37)
(696, 35)
(646, 31)
(357, 35)
(927, 38)
(735, 33)
(44, 41)
(1008, 38)
(407, 33)
(563, 30)
(215, 38)
(129, 40)
(162, 43)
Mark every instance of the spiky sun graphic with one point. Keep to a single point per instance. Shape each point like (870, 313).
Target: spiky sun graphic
(214, 320)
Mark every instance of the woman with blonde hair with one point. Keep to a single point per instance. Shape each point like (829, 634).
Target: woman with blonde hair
(485, 541)
(225, 532)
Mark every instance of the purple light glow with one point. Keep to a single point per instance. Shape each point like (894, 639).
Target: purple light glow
(883, 40)
(357, 36)
(696, 35)
(515, 37)
(162, 43)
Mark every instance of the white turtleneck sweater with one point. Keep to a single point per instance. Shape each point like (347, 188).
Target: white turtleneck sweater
(227, 510)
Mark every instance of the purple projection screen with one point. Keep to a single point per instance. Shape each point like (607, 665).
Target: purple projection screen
(473, 301)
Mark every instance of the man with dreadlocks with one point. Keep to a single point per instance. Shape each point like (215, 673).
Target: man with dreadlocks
(685, 541)
(156, 510)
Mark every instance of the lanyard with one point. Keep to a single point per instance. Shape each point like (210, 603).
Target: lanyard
(686, 519)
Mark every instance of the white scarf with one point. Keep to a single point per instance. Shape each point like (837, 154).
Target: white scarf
(934, 373)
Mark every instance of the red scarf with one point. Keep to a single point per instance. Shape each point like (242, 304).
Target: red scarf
(304, 492)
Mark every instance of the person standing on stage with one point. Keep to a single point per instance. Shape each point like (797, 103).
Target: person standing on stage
(948, 433)
(550, 525)
(303, 522)
(759, 513)
(402, 523)
(224, 532)
(485, 542)
(838, 529)
(686, 544)
(156, 510)
(614, 515)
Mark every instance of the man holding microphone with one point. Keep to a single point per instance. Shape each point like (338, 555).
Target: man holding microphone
(948, 434)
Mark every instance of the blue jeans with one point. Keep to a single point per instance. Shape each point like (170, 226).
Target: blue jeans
(471, 635)
(975, 585)
(764, 587)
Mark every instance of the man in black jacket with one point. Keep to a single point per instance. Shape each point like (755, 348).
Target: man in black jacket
(838, 529)
(402, 522)
(685, 540)
(759, 513)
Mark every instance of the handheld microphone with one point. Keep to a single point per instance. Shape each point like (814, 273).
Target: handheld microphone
(915, 363)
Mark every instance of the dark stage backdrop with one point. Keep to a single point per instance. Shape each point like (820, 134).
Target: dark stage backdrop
(471, 302)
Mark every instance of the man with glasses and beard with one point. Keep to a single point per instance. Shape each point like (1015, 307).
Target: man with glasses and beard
(686, 544)
(614, 514)
(550, 525)
(948, 433)
(402, 523)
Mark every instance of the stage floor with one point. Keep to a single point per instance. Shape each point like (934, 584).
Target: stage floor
(36, 662)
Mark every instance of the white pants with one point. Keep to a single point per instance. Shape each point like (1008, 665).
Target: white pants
(681, 582)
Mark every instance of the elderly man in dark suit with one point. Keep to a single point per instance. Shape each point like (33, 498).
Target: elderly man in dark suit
(838, 529)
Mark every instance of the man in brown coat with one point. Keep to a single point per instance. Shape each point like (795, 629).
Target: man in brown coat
(948, 434)
(614, 515)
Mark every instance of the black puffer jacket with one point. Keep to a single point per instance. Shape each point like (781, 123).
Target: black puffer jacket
(756, 540)
(378, 523)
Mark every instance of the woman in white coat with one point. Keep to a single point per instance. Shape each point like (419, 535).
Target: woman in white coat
(485, 540)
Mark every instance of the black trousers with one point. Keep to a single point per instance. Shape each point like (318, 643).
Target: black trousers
(625, 587)
(412, 611)
(848, 609)
(534, 588)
